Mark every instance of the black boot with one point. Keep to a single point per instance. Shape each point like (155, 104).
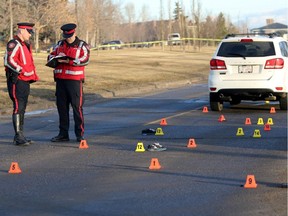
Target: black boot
(19, 138)
(61, 137)
(22, 127)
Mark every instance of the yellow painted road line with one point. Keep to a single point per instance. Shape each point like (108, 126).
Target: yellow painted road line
(173, 116)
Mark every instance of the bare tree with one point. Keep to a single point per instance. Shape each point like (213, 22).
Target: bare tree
(161, 20)
(9, 14)
(11, 18)
(76, 11)
(42, 12)
(169, 17)
(89, 19)
(130, 12)
(142, 26)
(144, 15)
(106, 21)
(102, 20)
(98, 7)
(196, 20)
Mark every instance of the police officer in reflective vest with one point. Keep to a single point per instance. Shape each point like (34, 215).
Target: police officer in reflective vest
(20, 72)
(70, 56)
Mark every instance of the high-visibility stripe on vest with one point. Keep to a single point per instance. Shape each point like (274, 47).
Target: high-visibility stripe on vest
(78, 53)
(18, 59)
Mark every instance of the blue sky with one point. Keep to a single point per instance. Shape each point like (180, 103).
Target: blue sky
(252, 12)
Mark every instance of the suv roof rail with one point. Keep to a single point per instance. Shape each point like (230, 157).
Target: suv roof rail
(270, 35)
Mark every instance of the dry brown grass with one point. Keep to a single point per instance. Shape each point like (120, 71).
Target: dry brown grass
(118, 73)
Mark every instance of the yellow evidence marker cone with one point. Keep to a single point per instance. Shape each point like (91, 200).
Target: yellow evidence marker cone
(140, 147)
(240, 132)
(260, 121)
(270, 121)
(257, 133)
(159, 132)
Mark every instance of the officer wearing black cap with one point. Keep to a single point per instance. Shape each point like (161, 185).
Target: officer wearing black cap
(27, 26)
(20, 72)
(72, 56)
(68, 30)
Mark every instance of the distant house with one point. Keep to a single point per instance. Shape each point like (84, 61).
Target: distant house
(272, 27)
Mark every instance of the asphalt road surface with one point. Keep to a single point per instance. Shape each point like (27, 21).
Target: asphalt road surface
(110, 178)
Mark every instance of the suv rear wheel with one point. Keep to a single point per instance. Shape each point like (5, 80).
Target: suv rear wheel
(216, 106)
(283, 103)
(215, 103)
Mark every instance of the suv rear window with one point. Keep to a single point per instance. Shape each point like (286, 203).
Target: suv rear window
(246, 49)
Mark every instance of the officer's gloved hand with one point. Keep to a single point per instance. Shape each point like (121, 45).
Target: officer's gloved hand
(61, 54)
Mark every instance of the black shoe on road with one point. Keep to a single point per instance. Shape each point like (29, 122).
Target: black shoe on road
(60, 138)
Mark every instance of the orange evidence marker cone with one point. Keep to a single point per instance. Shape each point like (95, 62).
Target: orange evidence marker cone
(267, 127)
(248, 121)
(154, 165)
(205, 109)
(221, 118)
(272, 110)
(83, 145)
(191, 143)
(250, 182)
(14, 168)
(163, 122)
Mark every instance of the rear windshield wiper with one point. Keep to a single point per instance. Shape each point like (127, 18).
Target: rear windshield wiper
(237, 54)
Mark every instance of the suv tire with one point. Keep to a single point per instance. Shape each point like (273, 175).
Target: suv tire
(216, 106)
(215, 103)
(283, 102)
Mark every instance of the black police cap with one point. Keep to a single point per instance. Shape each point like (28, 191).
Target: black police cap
(26, 25)
(68, 30)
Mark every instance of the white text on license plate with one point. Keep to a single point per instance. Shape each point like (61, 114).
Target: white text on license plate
(245, 69)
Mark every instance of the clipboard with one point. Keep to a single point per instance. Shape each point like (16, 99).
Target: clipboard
(53, 62)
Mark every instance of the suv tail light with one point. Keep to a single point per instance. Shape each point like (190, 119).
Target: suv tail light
(277, 63)
(216, 64)
(247, 40)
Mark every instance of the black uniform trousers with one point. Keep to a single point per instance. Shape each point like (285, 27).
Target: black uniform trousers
(18, 92)
(70, 92)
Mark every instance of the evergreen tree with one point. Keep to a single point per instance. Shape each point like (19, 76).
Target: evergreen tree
(221, 29)
(178, 12)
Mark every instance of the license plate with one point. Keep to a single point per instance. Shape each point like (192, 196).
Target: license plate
(245, 69)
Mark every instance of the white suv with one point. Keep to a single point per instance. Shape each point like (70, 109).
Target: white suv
(249, 67)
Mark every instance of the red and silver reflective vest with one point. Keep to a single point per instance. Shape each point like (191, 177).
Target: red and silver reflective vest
(78, 52)
(18, 59)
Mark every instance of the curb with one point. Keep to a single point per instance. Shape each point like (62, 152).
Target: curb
(149, 88)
